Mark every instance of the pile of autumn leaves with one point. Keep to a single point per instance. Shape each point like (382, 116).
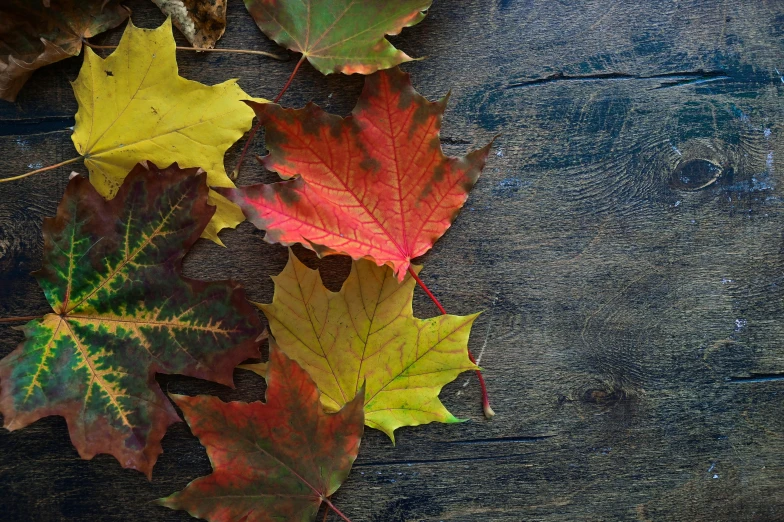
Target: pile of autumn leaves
(375, 186)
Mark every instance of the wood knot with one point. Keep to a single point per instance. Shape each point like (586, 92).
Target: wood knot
(695, 174)
(601, 396)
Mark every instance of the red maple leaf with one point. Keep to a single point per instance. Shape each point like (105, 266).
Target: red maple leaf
(375, 184)
(271, 461)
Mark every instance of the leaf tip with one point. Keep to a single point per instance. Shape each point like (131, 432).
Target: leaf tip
(177, 398)
(167, 502)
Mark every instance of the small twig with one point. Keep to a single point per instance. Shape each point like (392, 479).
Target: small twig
(197, 49)
(489, 413)
(26, 174)
(256, 127)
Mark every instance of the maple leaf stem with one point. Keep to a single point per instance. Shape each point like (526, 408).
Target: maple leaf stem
(255, 129)
(326, 514)
(288, 82)
(488, 411)
(19, 319)
(236, 51)
(433, 298)
(36, 171)
(336, 510)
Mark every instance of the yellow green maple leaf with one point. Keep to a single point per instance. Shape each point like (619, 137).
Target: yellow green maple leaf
(134, 106)
(367, 333)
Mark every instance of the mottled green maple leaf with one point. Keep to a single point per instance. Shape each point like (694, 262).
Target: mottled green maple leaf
(121, 313)
(344, 36)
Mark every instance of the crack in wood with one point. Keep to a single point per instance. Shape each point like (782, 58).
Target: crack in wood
(501, 440)
(454, 141)
(440, 461)
(32, 126)
(672, 79)
(757, 377)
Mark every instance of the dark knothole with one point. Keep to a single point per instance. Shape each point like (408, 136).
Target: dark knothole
(695, 174)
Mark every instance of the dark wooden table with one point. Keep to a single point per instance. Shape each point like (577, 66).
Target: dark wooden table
(625, 242)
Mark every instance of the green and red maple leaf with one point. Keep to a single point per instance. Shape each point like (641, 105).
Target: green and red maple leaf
(344, 36)
(122, 312)
(373, 185)
(271, 461)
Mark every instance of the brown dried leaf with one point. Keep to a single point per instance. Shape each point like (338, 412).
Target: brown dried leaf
(202, 22)
(33, 34)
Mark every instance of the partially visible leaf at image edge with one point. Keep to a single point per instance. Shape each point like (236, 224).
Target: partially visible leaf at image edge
(345, 36)
(373, 185)
(367, 333)
(134, 106)
(122, 312)
(202, 22)
(33, 35)
(276, 460)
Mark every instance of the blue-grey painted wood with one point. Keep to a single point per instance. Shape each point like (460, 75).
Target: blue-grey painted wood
(625, 243)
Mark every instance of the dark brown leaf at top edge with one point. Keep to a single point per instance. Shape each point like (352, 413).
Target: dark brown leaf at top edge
(34, 34)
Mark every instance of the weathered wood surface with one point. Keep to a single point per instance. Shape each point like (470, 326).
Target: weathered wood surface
(625, 242)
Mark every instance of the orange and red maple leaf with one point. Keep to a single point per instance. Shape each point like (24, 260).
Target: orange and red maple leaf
(373, 185)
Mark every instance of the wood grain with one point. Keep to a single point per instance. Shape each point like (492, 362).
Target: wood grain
(625, 242)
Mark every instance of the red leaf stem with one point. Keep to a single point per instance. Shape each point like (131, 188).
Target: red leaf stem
(336, 510)
(255, 129)
(489, 413)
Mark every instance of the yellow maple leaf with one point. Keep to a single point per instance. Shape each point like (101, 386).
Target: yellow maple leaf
(367, 333)
(134, 106)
